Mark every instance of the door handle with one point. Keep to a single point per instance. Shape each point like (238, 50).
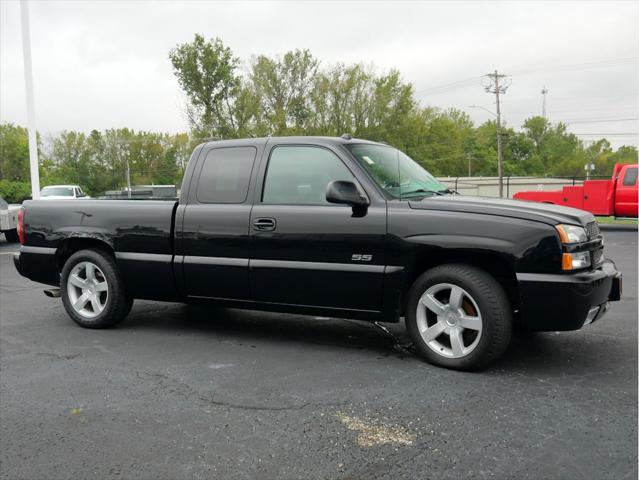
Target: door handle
(264, 224)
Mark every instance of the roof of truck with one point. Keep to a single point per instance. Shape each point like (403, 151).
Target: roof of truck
(343, 140)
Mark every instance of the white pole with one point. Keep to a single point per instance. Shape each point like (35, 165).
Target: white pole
(28, 83)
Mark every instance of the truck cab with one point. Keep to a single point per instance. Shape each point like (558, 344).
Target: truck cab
(625, 196)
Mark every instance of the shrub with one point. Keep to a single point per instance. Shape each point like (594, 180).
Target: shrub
(14, 192)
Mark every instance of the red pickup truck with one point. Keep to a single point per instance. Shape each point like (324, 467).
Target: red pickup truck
(617, 196)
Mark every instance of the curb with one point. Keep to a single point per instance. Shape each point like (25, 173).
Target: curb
(617, 228)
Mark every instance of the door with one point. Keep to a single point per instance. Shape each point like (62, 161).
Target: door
(214, 231)
(306, 251)
(626, 195)
(598, 197)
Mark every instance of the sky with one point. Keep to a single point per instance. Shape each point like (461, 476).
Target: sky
(104, 64)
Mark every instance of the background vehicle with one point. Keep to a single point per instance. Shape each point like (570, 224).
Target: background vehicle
(617, 196)
(328, 226)
(62, 192)
(9, 220)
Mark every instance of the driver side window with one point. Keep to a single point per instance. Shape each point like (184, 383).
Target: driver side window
(299, 175)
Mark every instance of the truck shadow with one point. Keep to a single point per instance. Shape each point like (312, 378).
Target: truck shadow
(565, 353)
(246, 327)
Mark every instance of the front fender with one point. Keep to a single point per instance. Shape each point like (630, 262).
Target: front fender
(466, 242)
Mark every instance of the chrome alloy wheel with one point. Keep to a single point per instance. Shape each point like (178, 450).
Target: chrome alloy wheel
(87, 289)
(449, 320)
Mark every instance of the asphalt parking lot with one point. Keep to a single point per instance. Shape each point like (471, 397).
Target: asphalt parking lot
(190, 392)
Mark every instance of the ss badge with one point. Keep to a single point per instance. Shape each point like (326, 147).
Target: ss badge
(358, 257)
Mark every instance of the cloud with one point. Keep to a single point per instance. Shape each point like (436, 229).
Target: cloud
(105, 64)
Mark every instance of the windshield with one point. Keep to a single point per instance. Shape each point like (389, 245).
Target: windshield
(57, 192)
(397, 173)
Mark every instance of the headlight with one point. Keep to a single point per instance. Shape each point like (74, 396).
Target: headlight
(571, 234)
(575, 261)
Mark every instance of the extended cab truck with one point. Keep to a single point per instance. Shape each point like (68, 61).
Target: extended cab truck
(615, 197)
(328, 226)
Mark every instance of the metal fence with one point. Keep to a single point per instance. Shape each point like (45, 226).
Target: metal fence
(489, 186)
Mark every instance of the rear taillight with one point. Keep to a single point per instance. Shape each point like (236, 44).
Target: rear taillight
(20, 227)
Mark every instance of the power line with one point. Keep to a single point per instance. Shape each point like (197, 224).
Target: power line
(609, 134)
(447, 86)
(601, 120)
(580, 66)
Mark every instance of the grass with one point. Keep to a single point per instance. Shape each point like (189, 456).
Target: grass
(615, 221)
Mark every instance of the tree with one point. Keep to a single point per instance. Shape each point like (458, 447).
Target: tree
(14, 152)
(282, 87)
(206, 71)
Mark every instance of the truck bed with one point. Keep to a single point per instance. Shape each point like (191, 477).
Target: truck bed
(140, 232)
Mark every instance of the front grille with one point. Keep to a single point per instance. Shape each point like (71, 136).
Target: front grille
(597, 257)
(592, 229)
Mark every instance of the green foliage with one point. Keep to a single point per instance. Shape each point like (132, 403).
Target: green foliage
(292, 95)
(98, 161)
(14, 152)
(282, 87)
(14, 192)
(206, 72)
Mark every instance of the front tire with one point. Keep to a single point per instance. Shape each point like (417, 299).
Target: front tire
(459, 317)
(92, 290)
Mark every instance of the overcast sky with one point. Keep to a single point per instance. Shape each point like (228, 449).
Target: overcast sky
(104, 64)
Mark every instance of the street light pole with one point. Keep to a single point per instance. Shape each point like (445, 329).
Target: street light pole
(28, 83)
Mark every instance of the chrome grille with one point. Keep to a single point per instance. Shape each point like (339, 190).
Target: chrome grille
(592, 229)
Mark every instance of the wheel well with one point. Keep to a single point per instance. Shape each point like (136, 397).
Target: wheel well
(493, 264)
(72, 245)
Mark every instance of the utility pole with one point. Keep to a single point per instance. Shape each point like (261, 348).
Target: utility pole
(28, 84)
(498, 84)
(544, 91)
(128, 176)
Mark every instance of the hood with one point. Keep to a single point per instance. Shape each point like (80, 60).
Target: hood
(539, 212)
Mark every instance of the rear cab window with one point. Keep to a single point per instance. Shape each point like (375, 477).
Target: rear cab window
(630, 177)
(225, 175)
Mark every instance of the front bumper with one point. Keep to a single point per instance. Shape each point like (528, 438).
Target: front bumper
(553, 302)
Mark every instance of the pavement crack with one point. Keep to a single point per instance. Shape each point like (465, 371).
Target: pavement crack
(184, 390)
(239, 406)
(58, 356)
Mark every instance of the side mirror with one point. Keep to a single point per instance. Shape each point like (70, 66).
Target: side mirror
(342, 191)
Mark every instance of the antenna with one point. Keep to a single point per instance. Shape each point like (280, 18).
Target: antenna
(544, 91)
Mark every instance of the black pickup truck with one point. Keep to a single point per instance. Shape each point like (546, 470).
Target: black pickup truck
(328, 226)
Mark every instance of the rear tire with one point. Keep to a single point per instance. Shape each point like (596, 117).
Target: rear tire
(459, 317)
(92, 290)
(11, 236)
